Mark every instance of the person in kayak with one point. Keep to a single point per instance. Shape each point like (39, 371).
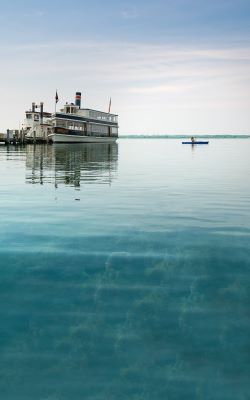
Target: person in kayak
(192, 139)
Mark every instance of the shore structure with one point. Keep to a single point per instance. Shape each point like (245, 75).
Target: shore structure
(72, 124)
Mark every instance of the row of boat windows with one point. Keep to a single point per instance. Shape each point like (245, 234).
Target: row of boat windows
(91, 114)
(70, 110)
(109, 118)
(77, 126)
(71, 125)
(88, 113)
(36, 117)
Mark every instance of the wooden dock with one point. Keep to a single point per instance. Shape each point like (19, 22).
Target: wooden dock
(19, 139)
(10, 141)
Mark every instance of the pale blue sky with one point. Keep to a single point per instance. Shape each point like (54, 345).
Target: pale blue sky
(170, 66)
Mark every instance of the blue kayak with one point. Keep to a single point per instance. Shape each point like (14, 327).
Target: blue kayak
(195, 142)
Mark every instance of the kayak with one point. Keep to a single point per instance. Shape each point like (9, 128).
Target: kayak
(195, 142)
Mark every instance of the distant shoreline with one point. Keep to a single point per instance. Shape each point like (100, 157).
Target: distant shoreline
(183, 136)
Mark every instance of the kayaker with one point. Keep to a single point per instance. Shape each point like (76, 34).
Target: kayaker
(192, 139)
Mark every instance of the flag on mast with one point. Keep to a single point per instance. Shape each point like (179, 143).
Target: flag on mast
(56, 97)
(109, 104)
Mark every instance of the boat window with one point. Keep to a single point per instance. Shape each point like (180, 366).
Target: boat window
(100, 129)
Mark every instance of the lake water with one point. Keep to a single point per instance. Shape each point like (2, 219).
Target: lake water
(125, 271)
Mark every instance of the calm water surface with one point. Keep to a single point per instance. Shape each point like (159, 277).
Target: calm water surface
(125, 271)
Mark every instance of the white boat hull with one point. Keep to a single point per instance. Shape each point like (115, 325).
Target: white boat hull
(62, 138)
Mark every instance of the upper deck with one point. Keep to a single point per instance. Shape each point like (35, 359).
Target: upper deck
(74, 112)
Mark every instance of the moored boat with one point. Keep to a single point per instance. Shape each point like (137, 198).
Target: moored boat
(74, 124)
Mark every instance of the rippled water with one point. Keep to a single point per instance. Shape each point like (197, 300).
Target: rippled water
(125, 271)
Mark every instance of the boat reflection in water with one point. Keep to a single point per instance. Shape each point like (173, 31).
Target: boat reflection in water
(71, 164)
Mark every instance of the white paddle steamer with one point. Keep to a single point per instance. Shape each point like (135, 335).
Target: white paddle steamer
(74, 124)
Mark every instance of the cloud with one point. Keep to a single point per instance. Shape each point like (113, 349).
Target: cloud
(131, 68)
(137, 56)
(34, 13)
(130, 13)
(160, 89)
(138, 75)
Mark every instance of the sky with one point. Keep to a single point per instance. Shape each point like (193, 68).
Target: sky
(170, 67)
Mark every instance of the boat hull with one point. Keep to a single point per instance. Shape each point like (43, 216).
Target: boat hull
(63, 138)
(195, 142)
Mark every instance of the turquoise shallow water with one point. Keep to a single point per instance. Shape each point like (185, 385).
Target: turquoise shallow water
(125, 271)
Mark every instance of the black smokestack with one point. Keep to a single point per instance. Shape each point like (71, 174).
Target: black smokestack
(78, 99)
(41, 112)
